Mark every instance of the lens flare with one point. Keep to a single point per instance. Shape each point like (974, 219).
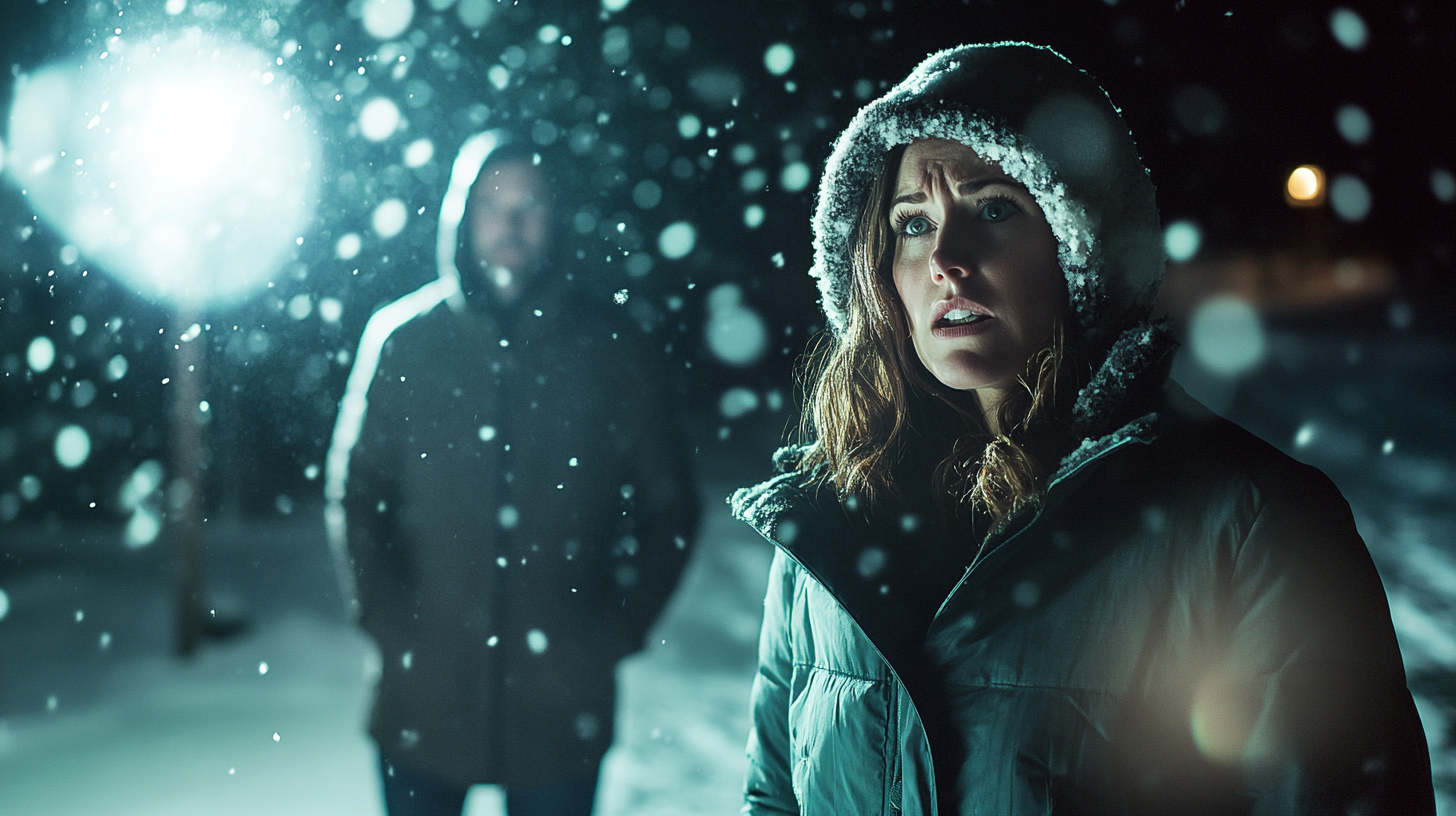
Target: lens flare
(189, 163)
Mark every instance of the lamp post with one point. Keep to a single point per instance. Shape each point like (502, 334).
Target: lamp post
(183, 165)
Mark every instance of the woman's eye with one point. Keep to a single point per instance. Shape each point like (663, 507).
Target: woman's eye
(998, 209)
(918, 225)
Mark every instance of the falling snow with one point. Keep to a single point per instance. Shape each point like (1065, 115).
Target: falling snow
(201, 246)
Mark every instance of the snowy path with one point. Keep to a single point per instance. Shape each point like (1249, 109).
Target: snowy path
(99, 718)
(683, 717)
(127, 729)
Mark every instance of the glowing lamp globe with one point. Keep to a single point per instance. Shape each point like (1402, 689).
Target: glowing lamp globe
(185, 166)
(1305, 186)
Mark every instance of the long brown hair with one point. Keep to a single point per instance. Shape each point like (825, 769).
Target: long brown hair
(872, 404)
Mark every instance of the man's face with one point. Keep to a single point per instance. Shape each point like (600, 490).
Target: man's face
(509, 224)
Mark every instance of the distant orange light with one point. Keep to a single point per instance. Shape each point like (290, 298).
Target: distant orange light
(1305, 187)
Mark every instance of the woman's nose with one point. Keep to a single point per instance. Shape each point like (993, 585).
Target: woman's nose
(952, 257)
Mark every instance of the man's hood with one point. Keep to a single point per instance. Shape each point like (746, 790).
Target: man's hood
(463, 172)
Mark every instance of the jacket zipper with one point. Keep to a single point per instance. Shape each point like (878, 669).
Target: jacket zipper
(1037, 516)
(900, 684)
(892, 768)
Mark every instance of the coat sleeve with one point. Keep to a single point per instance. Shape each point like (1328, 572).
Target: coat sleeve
(1333, 728)
(769, 788)
(381, 561)
(664, 499)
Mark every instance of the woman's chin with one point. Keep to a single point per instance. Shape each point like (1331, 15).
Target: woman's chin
(962, 377)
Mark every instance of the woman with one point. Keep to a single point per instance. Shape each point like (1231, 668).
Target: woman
(1018, 570)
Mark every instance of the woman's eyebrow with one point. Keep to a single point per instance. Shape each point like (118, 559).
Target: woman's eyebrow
(963, 187)
(973, 185)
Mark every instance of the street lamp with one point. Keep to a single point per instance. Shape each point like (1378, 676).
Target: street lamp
(1305, 186)
(184, 165)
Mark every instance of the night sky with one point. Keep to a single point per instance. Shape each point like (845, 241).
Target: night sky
(1224, 99)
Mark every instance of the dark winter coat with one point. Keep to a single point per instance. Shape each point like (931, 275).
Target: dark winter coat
(519, 505)
(1189, 624)
(1186, 622)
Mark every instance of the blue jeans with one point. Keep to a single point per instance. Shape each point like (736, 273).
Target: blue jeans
(411, 792)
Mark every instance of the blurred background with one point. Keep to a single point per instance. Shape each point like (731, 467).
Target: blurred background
(1303, 154)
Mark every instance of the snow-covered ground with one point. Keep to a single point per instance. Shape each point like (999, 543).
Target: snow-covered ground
(99, 718)
(96, 716)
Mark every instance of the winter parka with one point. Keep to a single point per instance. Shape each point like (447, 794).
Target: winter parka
(519, 506)
(1188, 624)
(1186, 621)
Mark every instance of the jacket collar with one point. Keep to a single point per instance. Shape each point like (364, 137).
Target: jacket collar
(1112, 409)
(800, 513)
(803, 517)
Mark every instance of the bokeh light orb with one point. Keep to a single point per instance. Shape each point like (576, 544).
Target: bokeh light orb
(116, 368)
(1226, 336)
(737, 401)
(475, 14)
(40, 354)
(689, 126)
(753, 216)
(677, 240)
(348, 246)
(795, 177)
(379, 119)
(1349, 29)
(1350, 198)
(1443, 185)
(387, 19)
(142, 528)
(1354, 124)
(389, 218)
(1182, 240)
(779, 58)
(419, 153)
(735, 333)
(72, 446)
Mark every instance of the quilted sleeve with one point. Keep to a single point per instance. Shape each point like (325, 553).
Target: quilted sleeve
(769, 788)
(1333, 728)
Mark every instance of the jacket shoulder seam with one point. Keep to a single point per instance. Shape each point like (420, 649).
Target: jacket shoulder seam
(1003, 684)
(838, 672)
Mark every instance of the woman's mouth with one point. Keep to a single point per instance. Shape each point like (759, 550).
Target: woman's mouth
(960, 322)
(961, 317)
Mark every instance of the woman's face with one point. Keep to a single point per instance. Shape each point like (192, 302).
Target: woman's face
(975, 267)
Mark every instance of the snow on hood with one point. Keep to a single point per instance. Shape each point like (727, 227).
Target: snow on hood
(1048, 126)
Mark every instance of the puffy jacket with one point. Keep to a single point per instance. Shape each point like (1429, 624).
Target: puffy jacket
(1186, 622)
(1189, 624)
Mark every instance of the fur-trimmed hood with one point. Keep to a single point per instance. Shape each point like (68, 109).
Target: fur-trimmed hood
(1050, 127)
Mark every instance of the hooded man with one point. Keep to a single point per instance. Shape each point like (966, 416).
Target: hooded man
(518, 504)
